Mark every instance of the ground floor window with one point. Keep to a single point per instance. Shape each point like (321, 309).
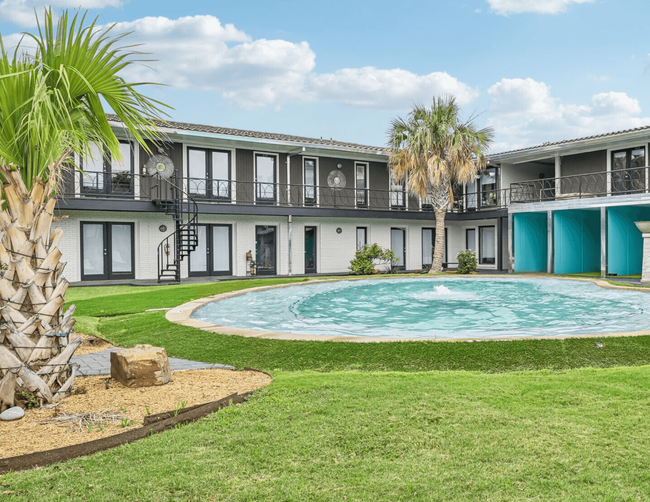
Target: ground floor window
(310, 250)
(428, 245)
(486, 244)
(470, 239)
(213, 253)
(362, 237)
(265, 250)
(107, 251)
(398, 246)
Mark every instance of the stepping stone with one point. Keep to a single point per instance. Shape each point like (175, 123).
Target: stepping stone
(15, 413)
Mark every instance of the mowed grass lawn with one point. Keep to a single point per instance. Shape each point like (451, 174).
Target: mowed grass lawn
(530, 420)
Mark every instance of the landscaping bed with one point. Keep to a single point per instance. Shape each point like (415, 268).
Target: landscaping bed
(95, 412)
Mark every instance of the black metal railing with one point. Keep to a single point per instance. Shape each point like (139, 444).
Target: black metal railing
(600, 184)
(143, 187)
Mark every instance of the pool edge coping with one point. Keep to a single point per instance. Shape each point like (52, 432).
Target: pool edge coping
(182, 315)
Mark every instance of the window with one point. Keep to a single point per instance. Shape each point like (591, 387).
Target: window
(265, 177)
(486, 245)
(397, 194)
(309, 168)
(489, 187)
(398, 246)
(362, 237)
(265, 249)
(209, 173)
(428, 246)
(107, 251)
(104, 175)
(470, 239)
(310, 250)
(628, 173)
(212, 255)
(361, 184)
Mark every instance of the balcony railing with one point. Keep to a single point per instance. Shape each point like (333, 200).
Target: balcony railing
(581, 186)
(124, 185)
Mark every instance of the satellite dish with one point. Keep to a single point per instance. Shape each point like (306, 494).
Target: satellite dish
(160, 164)
(336, 179)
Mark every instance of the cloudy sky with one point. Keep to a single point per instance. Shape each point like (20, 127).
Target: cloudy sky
(535, 70)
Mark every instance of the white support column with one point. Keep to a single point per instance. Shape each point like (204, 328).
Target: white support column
(290, 228)
(511, 261)
(558, 174)
(603, 241)
(645, 271)
(549, 252)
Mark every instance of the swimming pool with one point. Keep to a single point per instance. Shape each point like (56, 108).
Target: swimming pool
(435, 308)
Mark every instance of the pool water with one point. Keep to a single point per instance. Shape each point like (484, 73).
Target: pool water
(436, 308)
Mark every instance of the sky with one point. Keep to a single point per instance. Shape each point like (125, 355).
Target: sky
(534, 70)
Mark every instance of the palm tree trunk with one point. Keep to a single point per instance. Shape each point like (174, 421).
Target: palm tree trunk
(439, 245)
(35, 345)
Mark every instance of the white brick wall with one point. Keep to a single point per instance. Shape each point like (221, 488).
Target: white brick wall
(334, 250)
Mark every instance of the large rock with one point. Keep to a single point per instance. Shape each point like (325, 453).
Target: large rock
(141, 366)
(15, 413)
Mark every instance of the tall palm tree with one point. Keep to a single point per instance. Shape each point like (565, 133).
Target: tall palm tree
(51, 92)
(433, 149)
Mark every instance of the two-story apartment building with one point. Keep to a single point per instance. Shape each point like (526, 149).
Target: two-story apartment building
(574, 203)
(241, 202)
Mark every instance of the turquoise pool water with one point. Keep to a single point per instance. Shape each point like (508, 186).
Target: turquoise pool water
(436, 308)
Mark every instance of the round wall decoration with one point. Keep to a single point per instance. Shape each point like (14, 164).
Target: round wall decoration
(160, 164)
(336, 179)
(162, 228)
(339, 230)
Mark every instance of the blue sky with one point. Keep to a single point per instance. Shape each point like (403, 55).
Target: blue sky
(535, 70)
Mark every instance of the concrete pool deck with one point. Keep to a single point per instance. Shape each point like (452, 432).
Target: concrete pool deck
(183, 315)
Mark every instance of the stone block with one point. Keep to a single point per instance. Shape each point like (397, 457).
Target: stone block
(141, 366)
(15, 413)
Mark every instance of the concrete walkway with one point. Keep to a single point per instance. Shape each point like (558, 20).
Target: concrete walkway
(99, 363)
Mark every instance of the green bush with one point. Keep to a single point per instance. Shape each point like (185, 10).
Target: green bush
(367, 258)
(466, 261)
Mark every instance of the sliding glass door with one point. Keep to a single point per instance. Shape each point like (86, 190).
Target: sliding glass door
(265, 247)
(213, 254)
(428, 245)
(107, 251)
(398, 246)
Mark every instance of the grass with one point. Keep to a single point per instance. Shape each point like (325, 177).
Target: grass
(384, 421)
(438, 436)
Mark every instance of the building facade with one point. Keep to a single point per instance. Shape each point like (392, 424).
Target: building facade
(233, 203)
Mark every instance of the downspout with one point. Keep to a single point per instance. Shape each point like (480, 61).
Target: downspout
(289, 219)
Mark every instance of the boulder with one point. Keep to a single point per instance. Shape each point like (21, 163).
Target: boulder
(15, 413)
(141, 366)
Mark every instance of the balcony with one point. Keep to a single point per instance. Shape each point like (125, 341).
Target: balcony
(129, 186)
(582, 186)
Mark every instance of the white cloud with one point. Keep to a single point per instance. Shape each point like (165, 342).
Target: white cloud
(525, 113)
(200, 53)
(21, 12)
(370, 87)
(505, 7)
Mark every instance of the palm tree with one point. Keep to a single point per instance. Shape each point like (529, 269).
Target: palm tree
(433, 149)
(50, 112)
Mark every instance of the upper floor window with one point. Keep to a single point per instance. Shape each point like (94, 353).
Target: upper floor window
(489, 187)
(265, 177)
(209, 173)
(361, 183)
(102, 174)
(397, 194)
(628, 174)
(309, 173)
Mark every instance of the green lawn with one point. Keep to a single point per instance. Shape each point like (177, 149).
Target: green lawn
(524, 420)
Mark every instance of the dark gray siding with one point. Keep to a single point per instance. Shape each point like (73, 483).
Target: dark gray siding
(336, 197)
(150, 185)
(245, 176)
(379, 185)
(584, 163)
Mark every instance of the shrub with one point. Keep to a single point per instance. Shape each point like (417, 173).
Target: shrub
(366, 258)
(466, 261)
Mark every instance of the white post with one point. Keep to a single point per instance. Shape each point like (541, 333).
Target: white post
(558, 175)
(645, 271)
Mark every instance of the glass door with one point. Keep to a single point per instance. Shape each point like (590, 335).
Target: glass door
(265, 250)
(628, 171)
(212, 255)
(470, 239)
(487, 244)
(265, 177)
(107, 251)
(310, 250)
(219, 175)
(197, 172)
(92, 175)
(428, 247)
(310, 181)
(361, 184)
(398, 246)
(120, 172)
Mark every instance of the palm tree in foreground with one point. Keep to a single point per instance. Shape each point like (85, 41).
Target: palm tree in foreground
(50, 112)
(433, 149)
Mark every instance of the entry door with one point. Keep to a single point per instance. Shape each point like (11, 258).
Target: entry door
(310, 250)
(265, 246)
(428, 246)
(398, 246)
(212, 255)
(107, 251)
(104, 175)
